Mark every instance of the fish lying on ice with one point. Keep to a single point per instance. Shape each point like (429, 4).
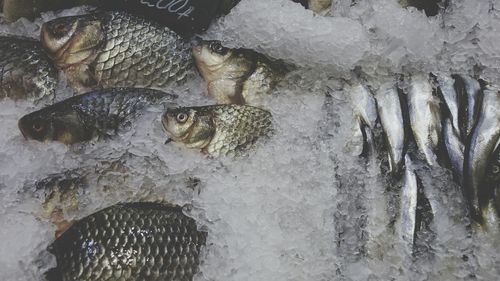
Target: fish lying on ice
(425, 118)
(391, 118)
(218, 130)
(115, 49)
(132, 241)
(97, 114)
(470, 107)
(236, 76)
(16, 9)
(485, 137)
(25, 71)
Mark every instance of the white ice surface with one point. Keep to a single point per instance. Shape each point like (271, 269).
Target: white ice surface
(303, 206)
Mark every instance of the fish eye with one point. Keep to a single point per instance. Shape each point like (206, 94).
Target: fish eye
(496, 169)
(60, 29)
(38, 125)
(217, 47)
(182, 117)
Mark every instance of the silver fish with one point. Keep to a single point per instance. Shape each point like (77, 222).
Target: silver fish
(364, 104)
(391, 117)
(472, 91)
(446, 83)
(454, 147)
(424, 117)
(485, 137)
(408, 203)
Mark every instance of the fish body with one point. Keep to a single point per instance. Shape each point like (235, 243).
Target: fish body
(391, 117)
(408, 204)
(364, 104)
(25, 71)
(450, 96)
(97, 114)
(115, 49)
(235, 76)
(470, 107)
(424, 117)
(454, 147)
(130, 242)
(218, 130)
(484, 139)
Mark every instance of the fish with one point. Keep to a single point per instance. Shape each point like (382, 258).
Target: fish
(469, 107)
(425, 120)
(484, 138)
(365, 111)
(25, 71)
(218, 130)
(98, 114)
(320, 7)
(129, 241)
(450, 96)
(454, 147)
(430, 7)
(408, 205)
(115, 49)
(391, 118)
(236, 76)
(30, 9)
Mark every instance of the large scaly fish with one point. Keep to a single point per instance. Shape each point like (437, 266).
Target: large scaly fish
(129, 242)
(115, 49)
(98, 114)
(218, 130)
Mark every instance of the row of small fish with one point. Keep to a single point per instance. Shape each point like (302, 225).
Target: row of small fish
(457, 115)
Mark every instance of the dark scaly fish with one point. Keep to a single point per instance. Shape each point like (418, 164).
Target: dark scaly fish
(115, 49)
(218, 130)
(236, 76)
(129, 242)
(97, 114)
(25, 71)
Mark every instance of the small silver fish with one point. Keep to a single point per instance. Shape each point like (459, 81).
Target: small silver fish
(424, 117)
(447, 86)
(408, 203)
(364, 104)
(483, 141)
(391, 117)
(454, 147)
(469, 110)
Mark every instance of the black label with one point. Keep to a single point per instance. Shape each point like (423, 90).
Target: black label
(186, 17)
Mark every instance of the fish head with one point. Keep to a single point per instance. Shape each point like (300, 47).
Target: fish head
(50, 125)
(190, 126)
(72, 40)
(211, 57)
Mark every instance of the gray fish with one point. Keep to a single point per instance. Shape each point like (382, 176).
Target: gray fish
(424, 117)
(391, 117)
(25, 71)
(218, 130)
(236, 76)
(98, 114)
(447, 86)
(129, 242)
(470, 108)
(115, 49)
(408, 204)
(364, 104)
(483, 141)
(454, 147)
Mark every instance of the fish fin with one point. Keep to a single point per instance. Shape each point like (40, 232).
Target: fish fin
(81, 77)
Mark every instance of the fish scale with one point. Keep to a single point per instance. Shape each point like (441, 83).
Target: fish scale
(133, 241)
(25, 70)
